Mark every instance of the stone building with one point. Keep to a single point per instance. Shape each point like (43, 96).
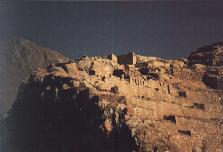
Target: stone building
(113, 57)
(129, 59)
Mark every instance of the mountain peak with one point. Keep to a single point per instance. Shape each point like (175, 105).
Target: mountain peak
(18, 57)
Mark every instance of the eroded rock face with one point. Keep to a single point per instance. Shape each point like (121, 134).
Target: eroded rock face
(214, 78)
(116, 108)
(208, 55)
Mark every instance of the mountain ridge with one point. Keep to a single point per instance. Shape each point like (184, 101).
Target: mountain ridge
(18, 57)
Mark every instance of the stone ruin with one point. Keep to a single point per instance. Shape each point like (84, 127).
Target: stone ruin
(128, 59)
(118, 104)
(113, 57)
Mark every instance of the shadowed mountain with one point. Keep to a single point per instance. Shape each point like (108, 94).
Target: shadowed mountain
(17, 57)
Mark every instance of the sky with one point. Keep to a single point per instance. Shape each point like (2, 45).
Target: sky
(167, 29)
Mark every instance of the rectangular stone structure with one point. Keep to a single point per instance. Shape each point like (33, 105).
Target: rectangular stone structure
(129, 59)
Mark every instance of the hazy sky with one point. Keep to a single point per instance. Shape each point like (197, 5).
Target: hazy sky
(165, 29)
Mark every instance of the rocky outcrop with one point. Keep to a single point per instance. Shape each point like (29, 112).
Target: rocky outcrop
(17, 58)
(209, 58)
(96, 104)
(214, 78)
(211, 55)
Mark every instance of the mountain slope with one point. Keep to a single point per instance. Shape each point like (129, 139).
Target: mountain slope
(17, 58)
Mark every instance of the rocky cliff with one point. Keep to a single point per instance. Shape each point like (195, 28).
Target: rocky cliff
(95, 104)
(17, 58)
(209, 55)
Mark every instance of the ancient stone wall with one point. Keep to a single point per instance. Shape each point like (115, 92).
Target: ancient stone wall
(113, 57)
(187, 74)
(127, 59)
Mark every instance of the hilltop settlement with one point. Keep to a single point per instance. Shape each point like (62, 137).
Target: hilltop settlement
(121, 103)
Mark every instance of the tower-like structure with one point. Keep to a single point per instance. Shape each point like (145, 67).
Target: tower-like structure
(128, 59)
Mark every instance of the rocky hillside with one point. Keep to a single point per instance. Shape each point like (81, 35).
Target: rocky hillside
(97, 104)
(17, 58)
(208, 55)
